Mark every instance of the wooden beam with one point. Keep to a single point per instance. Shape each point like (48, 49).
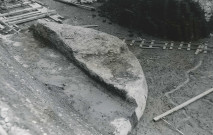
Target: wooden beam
(31, 18)
(77, 5)
(11, 28)
(183, 105)
(18, 5)
(89, 26)
(21, 15)
(20, 11)
(27, 16)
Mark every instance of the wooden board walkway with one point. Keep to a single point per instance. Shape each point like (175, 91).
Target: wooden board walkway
(169, 45)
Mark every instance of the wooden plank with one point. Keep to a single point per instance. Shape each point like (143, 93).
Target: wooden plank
(77, 5)
(18, 5)
(20, 11)
(55, 18)
(23, 17)
(150, 47)
(89, 26)
(31, 18)
(11, 28)
(183, 105)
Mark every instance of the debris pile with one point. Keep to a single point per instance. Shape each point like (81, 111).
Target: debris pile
(24, 12)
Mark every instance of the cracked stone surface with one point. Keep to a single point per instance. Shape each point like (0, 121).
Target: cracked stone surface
(105, 58)
(91, 100)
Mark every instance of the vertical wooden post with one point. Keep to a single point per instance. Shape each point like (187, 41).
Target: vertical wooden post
(205, 48)
(165, 45)
(188, 47)
(142, 43)
(198, 49)
(180, 46)
(172, 45)
(132, 43)
(151, 44)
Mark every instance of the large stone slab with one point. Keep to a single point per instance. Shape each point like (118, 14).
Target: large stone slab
(105, 58)
(29, 107)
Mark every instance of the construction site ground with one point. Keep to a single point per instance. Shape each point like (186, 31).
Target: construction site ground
(173, 76)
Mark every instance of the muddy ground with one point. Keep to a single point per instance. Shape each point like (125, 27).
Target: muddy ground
(173, 76)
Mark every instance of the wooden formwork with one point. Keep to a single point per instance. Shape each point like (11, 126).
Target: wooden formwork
(25, 12)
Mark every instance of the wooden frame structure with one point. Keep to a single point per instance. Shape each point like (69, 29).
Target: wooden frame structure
(169, 45)
(25, 12)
